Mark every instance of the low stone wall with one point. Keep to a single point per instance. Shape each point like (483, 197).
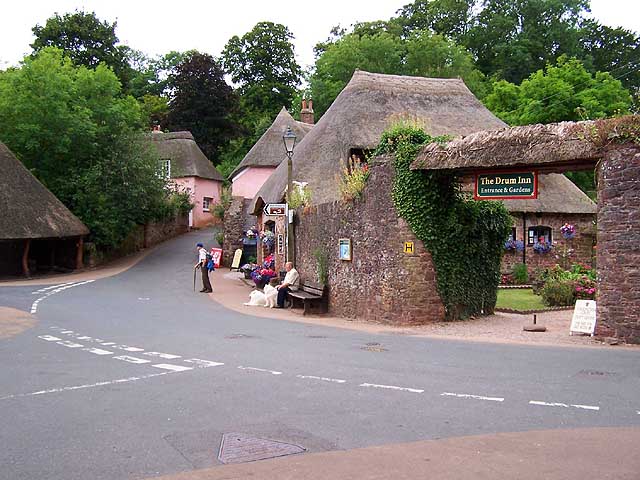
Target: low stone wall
(234, 226)
(618, 254)
(381, 283)
(582, 244)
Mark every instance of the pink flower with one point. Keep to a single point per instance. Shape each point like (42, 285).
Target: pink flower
(578, 289)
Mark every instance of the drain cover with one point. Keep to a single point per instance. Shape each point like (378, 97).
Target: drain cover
(240, 448)
(374, 349)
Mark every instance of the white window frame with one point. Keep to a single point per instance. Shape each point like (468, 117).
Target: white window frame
(206, 204)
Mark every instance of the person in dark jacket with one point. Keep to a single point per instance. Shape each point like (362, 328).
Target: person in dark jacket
(202, 264)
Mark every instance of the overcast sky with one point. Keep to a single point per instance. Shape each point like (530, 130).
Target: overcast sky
(161, 26)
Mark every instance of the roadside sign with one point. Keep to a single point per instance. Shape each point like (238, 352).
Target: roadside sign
(275, 209)
(584, 317)
(506, 186)
(236, 259)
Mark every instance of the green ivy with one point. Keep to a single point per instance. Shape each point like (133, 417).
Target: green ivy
(465, 237)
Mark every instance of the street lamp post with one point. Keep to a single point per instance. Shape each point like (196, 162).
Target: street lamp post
(289, 139)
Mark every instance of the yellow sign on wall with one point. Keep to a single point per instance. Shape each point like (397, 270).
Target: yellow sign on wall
(408, 247)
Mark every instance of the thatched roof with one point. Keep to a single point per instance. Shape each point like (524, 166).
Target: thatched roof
(187, 160)
(367, 106)
(553, 147)
(269, 151)
(27, 208)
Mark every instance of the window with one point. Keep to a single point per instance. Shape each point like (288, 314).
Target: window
(206, 203)
(165, 168)
(512, 235)
(535, 234)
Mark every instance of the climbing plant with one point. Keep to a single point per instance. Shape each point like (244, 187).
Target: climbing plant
(465, 238)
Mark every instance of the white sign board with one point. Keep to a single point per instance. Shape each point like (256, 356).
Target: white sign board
(275, 209)
(584, 317)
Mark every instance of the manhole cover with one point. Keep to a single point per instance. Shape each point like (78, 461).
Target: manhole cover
(240, 448)
(372, 344)
(236, 336)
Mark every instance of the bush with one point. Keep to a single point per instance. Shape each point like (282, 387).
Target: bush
(353, 179)
(220, 238)
(559, 293)
(218, 209)
(520, 273)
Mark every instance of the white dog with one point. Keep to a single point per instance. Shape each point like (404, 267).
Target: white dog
(257, 299)
(271, 296)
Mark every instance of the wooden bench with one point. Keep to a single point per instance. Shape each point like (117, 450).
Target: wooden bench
(311, 294)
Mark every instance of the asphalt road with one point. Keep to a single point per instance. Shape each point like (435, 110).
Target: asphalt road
(136, 375)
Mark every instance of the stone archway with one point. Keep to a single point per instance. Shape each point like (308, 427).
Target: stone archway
(612, 147)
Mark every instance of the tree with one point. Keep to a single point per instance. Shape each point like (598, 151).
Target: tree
(202, 103)
(86, 40)
(262, 62)
(73, 128)
(452, 18)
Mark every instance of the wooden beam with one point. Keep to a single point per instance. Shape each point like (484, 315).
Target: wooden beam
(79, 253)
(25, 258)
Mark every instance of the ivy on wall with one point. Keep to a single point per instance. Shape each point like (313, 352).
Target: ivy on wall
(465, 237)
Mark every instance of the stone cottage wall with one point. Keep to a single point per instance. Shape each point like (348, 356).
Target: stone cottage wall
(381, 283)
(618, 254)
(582, 244)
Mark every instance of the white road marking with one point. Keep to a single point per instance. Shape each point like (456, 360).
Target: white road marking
(98, 351)
(173, 368)
(67, 343)
(129, 349)
(324, 379)
(129, 359)
(272, 372)
(51, 287)
(49, 338)
(79, 387)
(564, 405)
(475, 397)
(203, 363)
(166, 356)
(67, 331)
(107, 344)
(392, 387)
(85, 338)
(56, 289)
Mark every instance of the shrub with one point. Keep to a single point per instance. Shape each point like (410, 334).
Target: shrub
(559, 293)
(353, 179)
(219, 209)
(220, 238)
(300, 196)
(520, 273)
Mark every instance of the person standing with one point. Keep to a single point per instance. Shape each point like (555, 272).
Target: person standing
(202, 264)
(291, 281)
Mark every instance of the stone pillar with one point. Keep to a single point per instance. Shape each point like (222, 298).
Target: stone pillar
(618, 248)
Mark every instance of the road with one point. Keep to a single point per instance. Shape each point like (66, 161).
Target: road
(136, 375)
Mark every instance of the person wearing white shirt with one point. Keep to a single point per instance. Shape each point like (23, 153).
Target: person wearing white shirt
(291, 281)
(202, 263)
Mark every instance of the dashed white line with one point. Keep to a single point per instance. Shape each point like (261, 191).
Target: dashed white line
(127, 358)
(166, 356)
(198, 362)
(67, 343)
(98, 351)
(173, 368)
(324, 379)
(79, 387)
(49, 338)
(85, 338)
(392, 387)
(564, 405)
(129, 349)
(107, 344)
(56, 289)
(475, 397)
(272, 372)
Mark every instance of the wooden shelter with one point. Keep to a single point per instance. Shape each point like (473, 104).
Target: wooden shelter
(36, 229)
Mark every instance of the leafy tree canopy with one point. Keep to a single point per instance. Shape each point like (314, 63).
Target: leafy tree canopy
(202, 103)
(86, 40)
(72, 127)
(262, 63)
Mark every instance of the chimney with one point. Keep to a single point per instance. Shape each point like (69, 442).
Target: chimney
(306, 114)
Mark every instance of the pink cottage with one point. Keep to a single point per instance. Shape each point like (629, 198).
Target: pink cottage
(184, 163)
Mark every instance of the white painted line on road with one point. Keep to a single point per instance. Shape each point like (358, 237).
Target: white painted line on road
(392, 387)
(199, 363)
(49, 338)
(129, 349)
(475, 397)
(272, 372)
(79, 387)
(67, 332)
(564, 405)
(173, 368)
(107, 344)
(127, 358)
(51, 287)
(324, 379)
(166, 356)
(85, 338)
(56, 289)
(67, 343)
(98, 351)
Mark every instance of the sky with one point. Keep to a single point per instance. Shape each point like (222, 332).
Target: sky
(206, 25)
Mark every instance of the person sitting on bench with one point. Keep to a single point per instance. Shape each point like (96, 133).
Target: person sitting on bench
(291, 281)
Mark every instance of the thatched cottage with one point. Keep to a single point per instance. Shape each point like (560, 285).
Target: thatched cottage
(37, 232)
(381, 282)
(182, 161)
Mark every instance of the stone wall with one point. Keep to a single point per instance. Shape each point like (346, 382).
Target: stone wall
(381, 283)
(237, 220)
(582, 244)
(618, 253)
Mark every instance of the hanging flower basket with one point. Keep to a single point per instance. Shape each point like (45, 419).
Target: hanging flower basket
(514, 245)
(542, 247)
(568, 231)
